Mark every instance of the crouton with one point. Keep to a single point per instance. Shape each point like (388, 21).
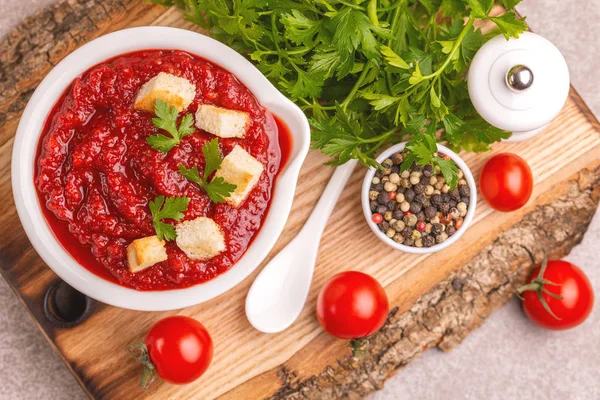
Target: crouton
(145, 252)
(241, 169)
(200, 238)
(222, 122)
(178, 92)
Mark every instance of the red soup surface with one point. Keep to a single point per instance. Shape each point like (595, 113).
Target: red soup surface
(96, 173)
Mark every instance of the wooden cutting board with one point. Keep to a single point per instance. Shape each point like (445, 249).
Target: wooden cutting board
(438, 299)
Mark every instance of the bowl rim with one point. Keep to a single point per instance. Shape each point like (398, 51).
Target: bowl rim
(47, 94)
(419, 250)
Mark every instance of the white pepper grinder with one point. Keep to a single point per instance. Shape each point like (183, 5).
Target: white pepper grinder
(519, 85)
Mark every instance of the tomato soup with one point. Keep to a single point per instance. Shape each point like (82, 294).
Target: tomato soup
(96, 172)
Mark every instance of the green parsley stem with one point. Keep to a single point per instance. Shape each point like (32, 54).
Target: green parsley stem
(356, 7)
(455, 48)
(357, 85)
(378, 138)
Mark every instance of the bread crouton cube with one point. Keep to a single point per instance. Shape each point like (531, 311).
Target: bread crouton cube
(145, 252)
(178, 92)
(241, 169)
(200, 238)
(222, 122)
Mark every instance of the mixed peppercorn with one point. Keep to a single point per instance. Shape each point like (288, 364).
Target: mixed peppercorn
(416, 207)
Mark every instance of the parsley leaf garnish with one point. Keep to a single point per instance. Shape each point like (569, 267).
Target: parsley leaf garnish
(167, 208)
(166, 119)
(363, 70)
(218, 190)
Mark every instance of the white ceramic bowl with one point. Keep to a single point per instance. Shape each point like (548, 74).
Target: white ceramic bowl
(419, 250)
(49, 91)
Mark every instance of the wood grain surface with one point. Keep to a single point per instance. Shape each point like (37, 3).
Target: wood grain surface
(438, 299)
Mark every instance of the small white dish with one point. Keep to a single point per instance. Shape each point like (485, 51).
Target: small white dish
(44, 99)
(419, 250)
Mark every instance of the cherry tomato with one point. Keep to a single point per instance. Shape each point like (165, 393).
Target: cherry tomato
(506, 182)
(178, 348)
(558, 296)
(352, 305)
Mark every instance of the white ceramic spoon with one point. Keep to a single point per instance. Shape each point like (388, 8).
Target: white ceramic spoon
(279, 292)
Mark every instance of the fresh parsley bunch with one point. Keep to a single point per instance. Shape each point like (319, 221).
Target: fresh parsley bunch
(367, 72)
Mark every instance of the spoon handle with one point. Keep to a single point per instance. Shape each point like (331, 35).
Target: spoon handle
(317, 221)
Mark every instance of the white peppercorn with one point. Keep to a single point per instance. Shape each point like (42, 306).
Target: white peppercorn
(387, 162)
(387, 215)
(433, 180)
(395, 178)
(414, 179)
(375, 180)
(405, 206)
(436, 191)
(399, 226)
(390, 187)
(462, 182)
(445, 189)
(410, 220)
(399, 197)
(460, 174)
(398, 238)
(461, 206)
(405, 174)
(385, 179)
(428, 190)
(373, 195)
(390, 233)
(428, 228)
(418, 243)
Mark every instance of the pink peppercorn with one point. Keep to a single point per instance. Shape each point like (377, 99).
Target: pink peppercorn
(377, 218)
(421, 226)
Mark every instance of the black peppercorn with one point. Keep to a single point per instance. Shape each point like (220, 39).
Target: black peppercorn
(384, 226)
(445, 198)
(378, 187)
(464, 190)
(407, 232)
(436, 199)
(430, 212)
(427, 171)
(428, 241)
(383, 198)
(454, 194)
(373, 205)
(381, 209)
(465, 200)
(395, 169)
(409, 242)
(453, 203)
(379, 173)
(424, 180)
(421, 216)
(450, 230)
(444, 207)
(421, 198)
(398, 214)
(409, 195)
(436, 228)
(401, 189)
(415, 207)
(417, 167)
(391, 205)
(419, 188)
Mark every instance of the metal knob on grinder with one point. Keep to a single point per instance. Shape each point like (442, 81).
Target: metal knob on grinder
(519, 85)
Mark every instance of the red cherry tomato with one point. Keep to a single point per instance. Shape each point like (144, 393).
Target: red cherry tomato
(566, 292)
(179, 348)
(506, 182)
(352, 305)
